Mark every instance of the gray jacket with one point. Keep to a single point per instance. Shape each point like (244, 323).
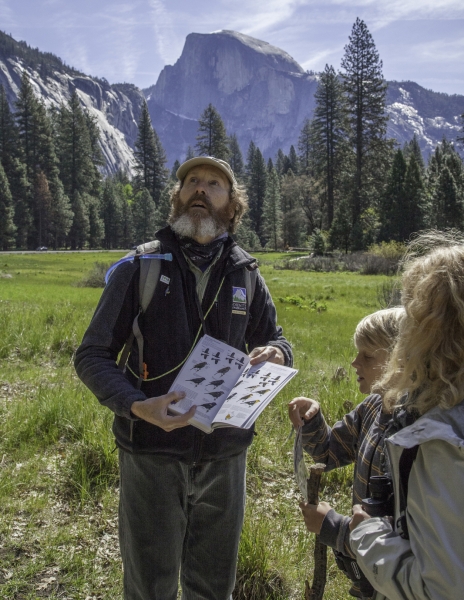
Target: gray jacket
(430, 565)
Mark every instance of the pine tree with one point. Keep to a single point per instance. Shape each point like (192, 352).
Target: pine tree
(164, 207)
(212, 137)
(305, 147)
(96, 224)
(414, 199)
(250, 157)
(445, 156)
(9, 139)
(272, 214)
(190, 153)
(127, 199)
(145, 151)
(392, 212)
(448, 205)
(245, 236)
(43, 208)
(235, 157)
(293, 161)
(61, 213)
(365, 91)
(144, 216)
(98, 159)
(328, 137)
(460, 138)
(76, 149)
(295, 200)
(38, 150)
(412, 148)
(26, 118)
(280, 162)
(7, 226)
(256, 188)
(20, 192)
(79, 233)
(175, 166)
(111, 214)
(160, 173)
(340, 234)
(317, 243)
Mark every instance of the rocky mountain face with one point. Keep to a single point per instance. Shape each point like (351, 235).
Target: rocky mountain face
(264, 95)
(115, 107)
(261, 92)
(416, 110)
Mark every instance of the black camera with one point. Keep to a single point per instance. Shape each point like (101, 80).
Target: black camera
(380, 503)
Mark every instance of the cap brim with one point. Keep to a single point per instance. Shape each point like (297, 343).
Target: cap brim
(204, 160)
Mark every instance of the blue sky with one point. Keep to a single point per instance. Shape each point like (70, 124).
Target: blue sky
(418, 40)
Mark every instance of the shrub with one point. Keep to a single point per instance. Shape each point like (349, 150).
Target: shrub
(390, 250)
(96, 277)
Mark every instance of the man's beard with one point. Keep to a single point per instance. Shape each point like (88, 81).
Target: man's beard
(198, 225)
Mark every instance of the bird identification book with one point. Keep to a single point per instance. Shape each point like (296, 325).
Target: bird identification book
(226, 389)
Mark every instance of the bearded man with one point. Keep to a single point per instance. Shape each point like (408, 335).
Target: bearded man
(181, 491)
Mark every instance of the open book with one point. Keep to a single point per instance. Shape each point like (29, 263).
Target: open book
(227, 391)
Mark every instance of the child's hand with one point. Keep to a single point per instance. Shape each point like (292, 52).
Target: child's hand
(358, 516)
(302, 409)
(314, 515)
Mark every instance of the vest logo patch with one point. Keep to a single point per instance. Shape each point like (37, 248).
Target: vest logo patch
(239, 301)
(165, 279)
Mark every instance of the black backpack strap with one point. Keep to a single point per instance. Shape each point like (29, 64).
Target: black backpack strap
(148, 280)
(405, 465)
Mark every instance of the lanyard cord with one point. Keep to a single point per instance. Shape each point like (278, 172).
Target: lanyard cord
(202, 325)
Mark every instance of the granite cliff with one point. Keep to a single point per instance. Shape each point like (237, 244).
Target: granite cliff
(115, 107)
(265, 95)
(261, 92)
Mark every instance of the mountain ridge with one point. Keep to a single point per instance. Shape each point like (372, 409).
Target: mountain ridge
(261, 92)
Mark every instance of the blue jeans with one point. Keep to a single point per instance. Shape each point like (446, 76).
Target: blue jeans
(179, 518)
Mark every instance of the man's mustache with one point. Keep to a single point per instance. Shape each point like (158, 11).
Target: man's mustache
(196, 197)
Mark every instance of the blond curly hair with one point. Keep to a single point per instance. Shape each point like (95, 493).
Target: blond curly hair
(427, 362)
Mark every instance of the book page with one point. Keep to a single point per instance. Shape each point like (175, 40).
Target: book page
(258, 385)
(207, 377)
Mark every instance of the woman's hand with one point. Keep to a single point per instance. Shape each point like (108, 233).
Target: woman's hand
(302, 409)
(314, 515)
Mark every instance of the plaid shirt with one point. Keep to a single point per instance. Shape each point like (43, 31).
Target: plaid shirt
(358, 439)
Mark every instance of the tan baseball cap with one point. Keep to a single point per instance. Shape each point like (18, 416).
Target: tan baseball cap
(206, 160)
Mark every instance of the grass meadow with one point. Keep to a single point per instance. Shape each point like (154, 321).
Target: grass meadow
(58, 467)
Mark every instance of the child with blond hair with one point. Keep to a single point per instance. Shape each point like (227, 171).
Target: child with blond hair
(420, 554)
(357, 438)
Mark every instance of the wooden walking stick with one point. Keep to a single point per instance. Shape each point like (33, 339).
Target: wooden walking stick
(316, 591)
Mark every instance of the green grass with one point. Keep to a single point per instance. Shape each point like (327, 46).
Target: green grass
(58, 468)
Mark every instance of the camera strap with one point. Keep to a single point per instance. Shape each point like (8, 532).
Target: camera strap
(405, 465)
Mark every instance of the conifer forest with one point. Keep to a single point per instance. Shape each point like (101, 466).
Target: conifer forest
(342, 186)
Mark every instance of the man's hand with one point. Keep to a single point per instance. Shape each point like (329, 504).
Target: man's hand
(302, 409)
(314, 515)
(359, 515)
(155, 411)
(270, 353)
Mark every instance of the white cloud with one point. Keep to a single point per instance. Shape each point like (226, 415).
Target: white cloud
(444, 52)
(162, 23)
